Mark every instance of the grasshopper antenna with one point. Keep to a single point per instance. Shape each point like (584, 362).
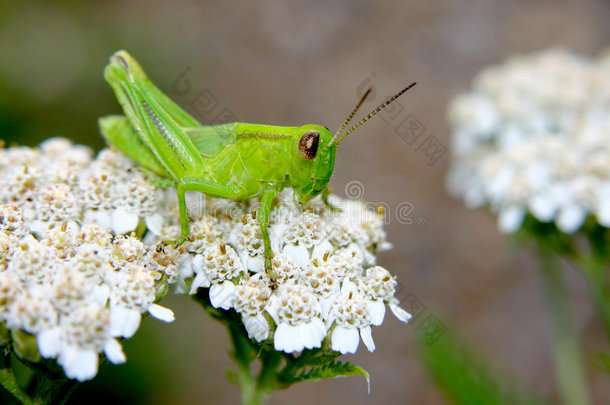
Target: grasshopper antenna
(336, 139)
(349, 118)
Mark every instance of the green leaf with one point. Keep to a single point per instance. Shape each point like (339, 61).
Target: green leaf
(332, 370)
(25, 346)
(465, 379)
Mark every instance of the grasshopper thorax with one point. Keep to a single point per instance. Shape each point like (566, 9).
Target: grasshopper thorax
(312, 160)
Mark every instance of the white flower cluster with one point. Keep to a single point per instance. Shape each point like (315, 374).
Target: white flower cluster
(64, 278)
(532, 137)
(71, 278)
(324, 281)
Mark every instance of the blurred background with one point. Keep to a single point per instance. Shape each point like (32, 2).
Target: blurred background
(308, 62)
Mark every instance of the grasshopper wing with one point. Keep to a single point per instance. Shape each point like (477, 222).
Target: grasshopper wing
(210, 140)
(118, 131)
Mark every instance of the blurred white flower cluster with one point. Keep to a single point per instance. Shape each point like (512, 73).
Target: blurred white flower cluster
(72, 280)
(532, 137)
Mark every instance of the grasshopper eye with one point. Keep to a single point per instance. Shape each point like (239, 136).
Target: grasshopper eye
(308, 145)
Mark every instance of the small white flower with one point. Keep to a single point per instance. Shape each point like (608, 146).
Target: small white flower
(251, 298)
(351, 316)
(222, 295)
(296, 312)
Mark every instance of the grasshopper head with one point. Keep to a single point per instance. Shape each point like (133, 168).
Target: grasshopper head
(312, 160)
(312, 153)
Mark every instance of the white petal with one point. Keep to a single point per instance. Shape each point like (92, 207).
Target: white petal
(298, 254)
(376, 311)
(196, 265)
(49, 342)
(72, 227)
(222, 295)
(79, 364)
(603, 207)
(326, 304)
(571, 218)
(100, 294)
(348, 287)
(367, 338)
(603, 215)
(124, 322)
(385, 246)
(320, 250)
(194, 203)
(185, 265)
(398, 312)
(272, 308)
(161, 313)
(500, 182)
(276, 233)
(257, 327)
(114, 352)
(318, 332)
(154, 223)
(510, 219)
(255, 264)
(307, 335)
(286, 339)
(123, 221)
(543, 207)
(345, 340)
(201, 280)
(368, 259)
(39, 228)
(292, 339)
(179, 287)
(98, 217)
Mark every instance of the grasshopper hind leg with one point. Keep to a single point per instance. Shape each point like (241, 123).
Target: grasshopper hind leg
(155, 179)
(118, 132)
(203, 186)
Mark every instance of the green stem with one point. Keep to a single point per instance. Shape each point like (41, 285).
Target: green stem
(278, 370)
(567, 358)
(596, 278)
(48, 386)
(595, 269)
(9, 382)
(251, 392)
(255, 390)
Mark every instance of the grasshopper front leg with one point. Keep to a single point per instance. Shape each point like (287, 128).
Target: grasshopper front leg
(325, 194)
(216, 190)
(264, 210)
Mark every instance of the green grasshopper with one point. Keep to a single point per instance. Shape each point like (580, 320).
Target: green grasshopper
(235, 160)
